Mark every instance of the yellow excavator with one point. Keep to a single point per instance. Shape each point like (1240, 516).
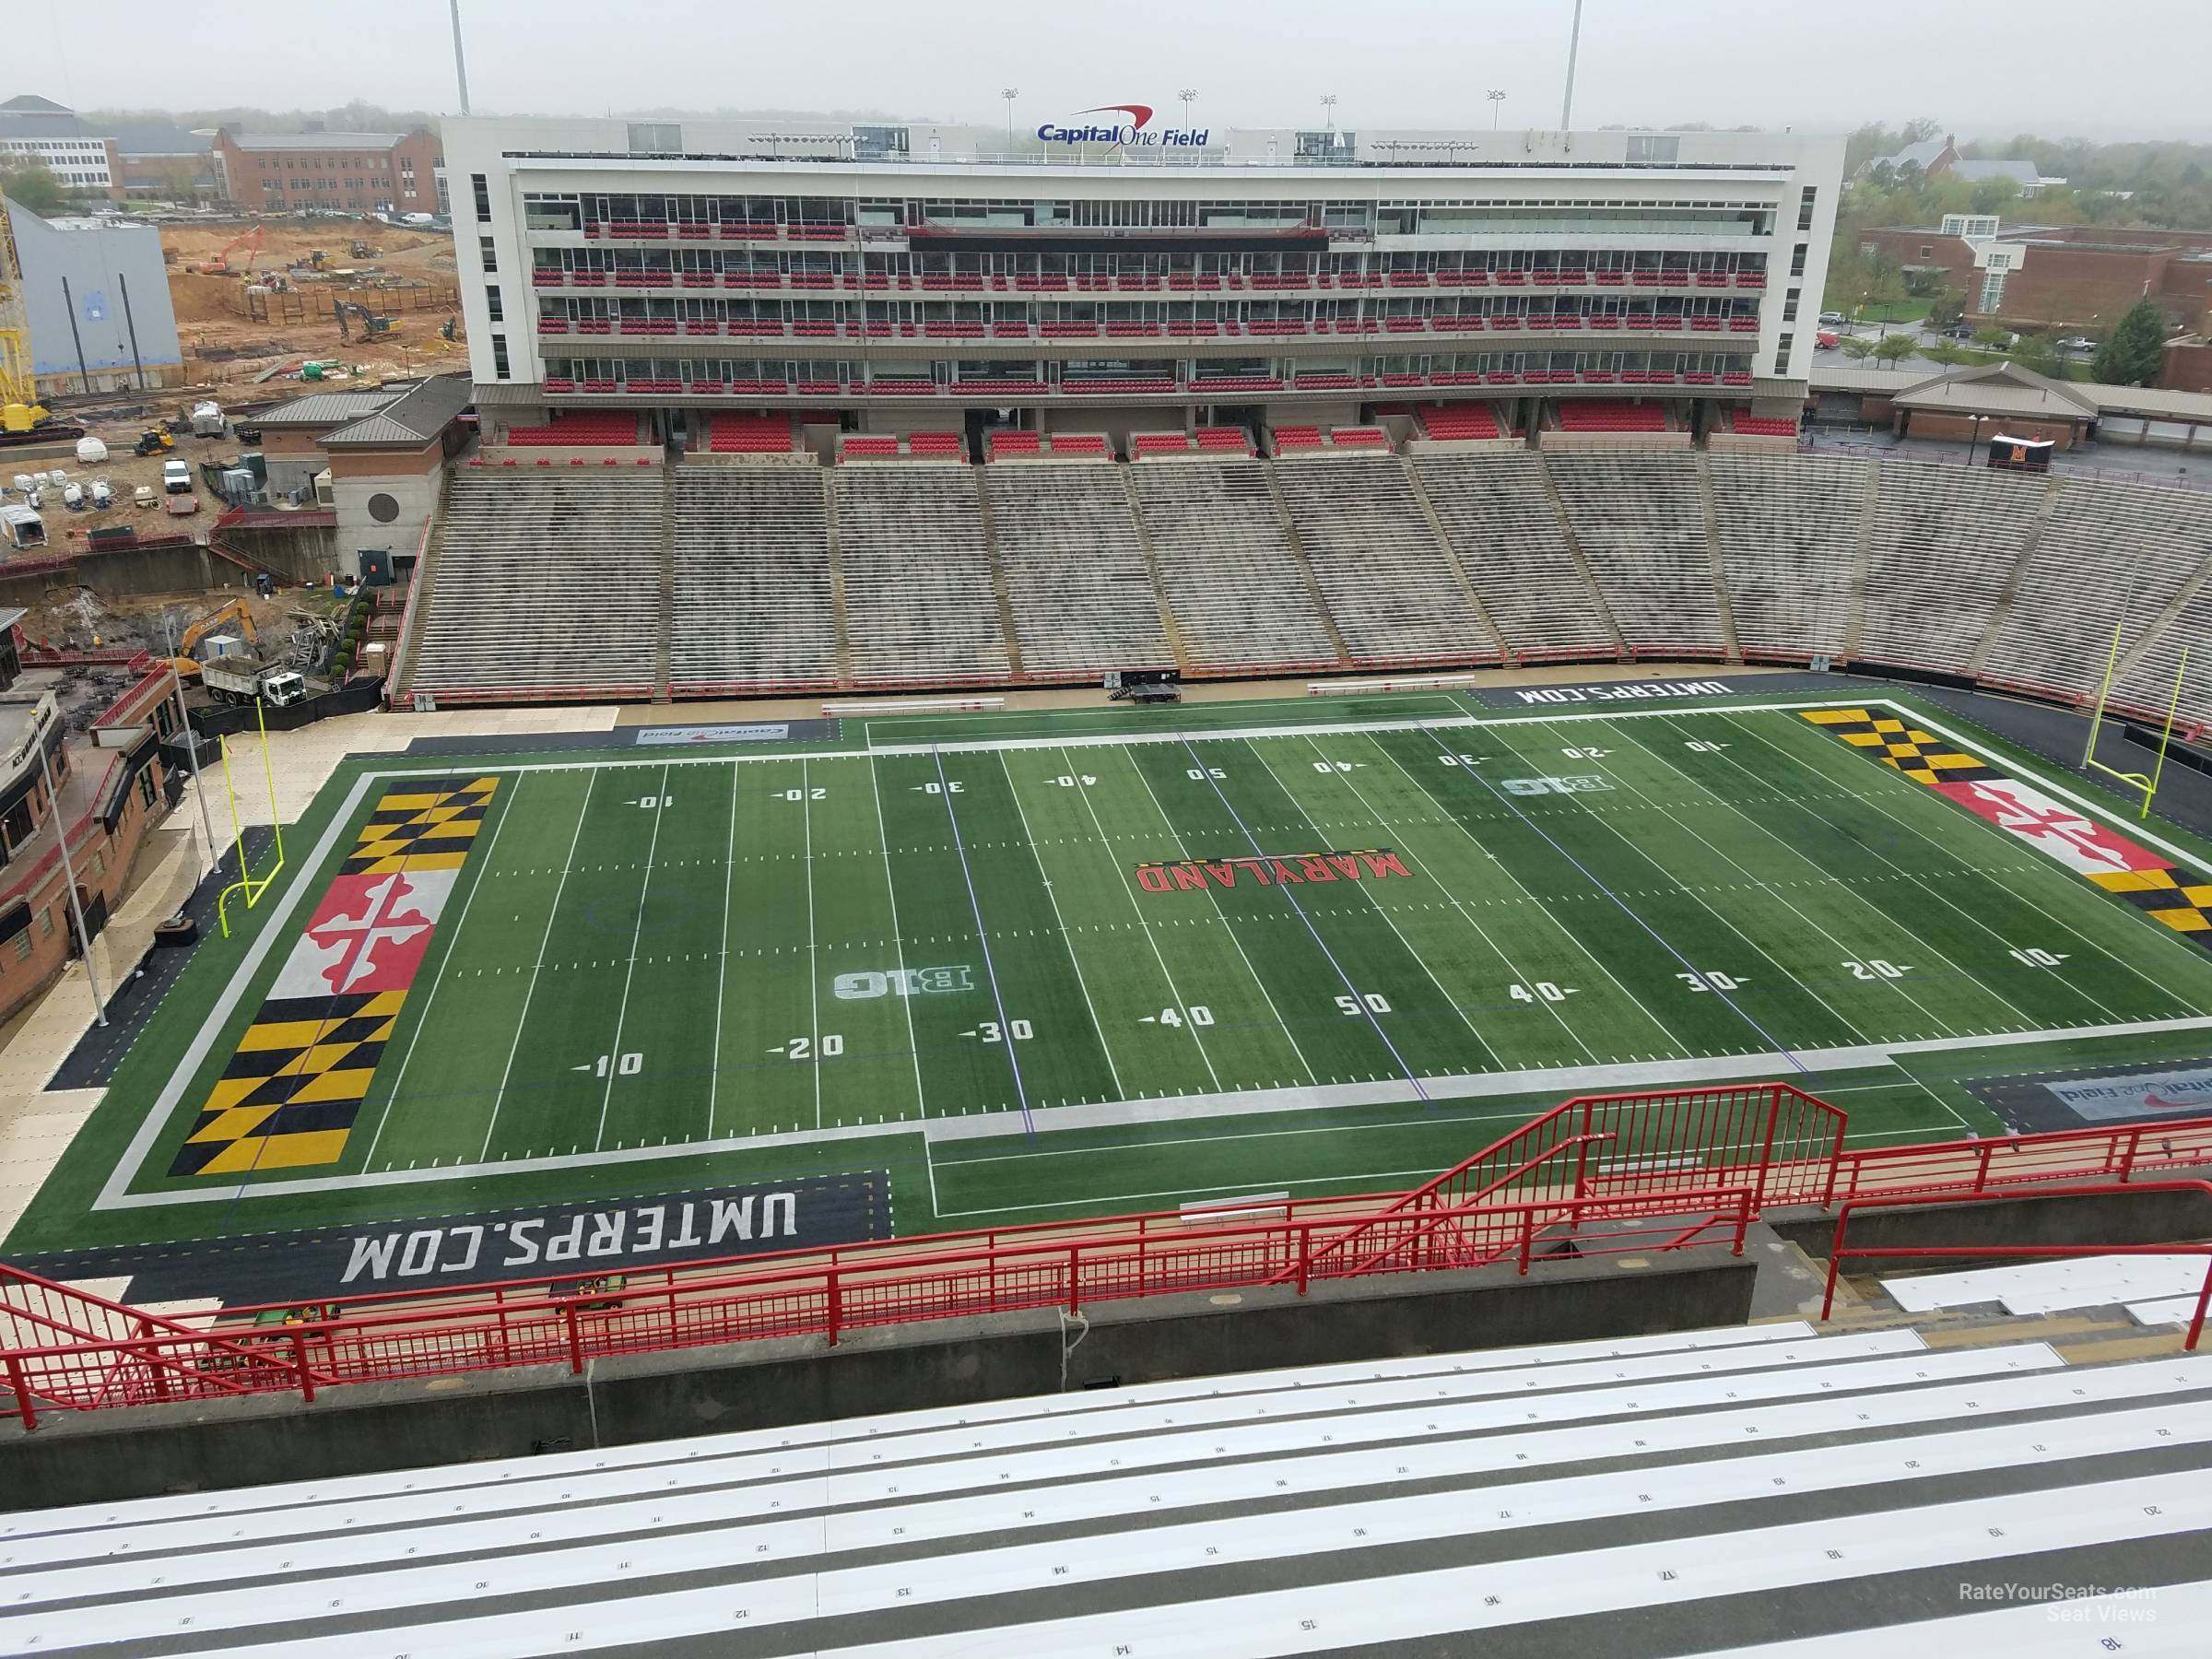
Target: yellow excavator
(186, 664)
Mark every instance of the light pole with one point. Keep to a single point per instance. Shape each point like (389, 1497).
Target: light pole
(1009, 94)
(192, 740)
(76, 909)
(1496, 98)
(1574, 45)
(1328, 111)
(1186, 95)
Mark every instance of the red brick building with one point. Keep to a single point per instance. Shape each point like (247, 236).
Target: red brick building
(2068, 278)
(353, 172)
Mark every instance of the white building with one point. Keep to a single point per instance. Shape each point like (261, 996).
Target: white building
(52, 134)
(888, 273)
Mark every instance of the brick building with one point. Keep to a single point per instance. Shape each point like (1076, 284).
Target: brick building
(110, 785)
(2066, 278)
(353, 172)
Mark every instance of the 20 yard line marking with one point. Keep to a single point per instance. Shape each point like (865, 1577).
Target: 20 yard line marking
(452, 944)
(553, 910)
(630, 972)
(814, 977)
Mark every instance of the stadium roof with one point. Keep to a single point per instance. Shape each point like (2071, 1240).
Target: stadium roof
(413, 419)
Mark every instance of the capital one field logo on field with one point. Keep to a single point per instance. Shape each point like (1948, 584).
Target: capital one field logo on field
(1136, 131)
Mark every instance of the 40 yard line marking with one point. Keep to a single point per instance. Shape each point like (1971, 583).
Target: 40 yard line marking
(1067, 942)
(567, 863)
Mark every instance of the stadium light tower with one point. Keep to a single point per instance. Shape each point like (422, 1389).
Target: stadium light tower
(1187, 94)
(1328, 111)
(1574, 43)
(1009, 94)
(460, 62)
(1496, 98)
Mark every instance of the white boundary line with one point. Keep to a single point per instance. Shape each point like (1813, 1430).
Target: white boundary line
(115, 1194)
(630, 972)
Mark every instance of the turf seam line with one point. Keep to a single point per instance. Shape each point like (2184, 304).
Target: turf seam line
(1006, 1025)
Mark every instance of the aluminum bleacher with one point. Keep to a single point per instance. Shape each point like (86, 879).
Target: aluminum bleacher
(1226, 567)
(1789, 530)
(920, 604)
(1083, 600)
(545, 585)
(1943, 544)
(1492, 505)
(753, 609)
(1643, 529)
(1759, 1489)
(1388, 585)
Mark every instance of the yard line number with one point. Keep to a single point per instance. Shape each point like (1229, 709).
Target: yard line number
(1713, 979)
(803, 1048)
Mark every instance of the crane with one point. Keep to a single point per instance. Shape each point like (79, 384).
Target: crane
(220, 265)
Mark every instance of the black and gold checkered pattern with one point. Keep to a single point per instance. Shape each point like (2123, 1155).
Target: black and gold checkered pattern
(2179, 898)
(1919, 755)
(430, 825)
(291, 1091)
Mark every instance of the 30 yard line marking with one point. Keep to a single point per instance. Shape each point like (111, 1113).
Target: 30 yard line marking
(1597, 961)
(890, 888)
(630, 971)
(452, 944)
(721, 979)
(1106, 844)
(552, 910)
(1067, 941)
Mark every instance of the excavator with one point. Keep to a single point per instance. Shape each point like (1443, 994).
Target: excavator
(373, 327)
(220, 265)
(185, 663)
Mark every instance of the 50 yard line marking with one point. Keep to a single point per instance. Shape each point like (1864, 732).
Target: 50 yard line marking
(630, 972)
(552, 912)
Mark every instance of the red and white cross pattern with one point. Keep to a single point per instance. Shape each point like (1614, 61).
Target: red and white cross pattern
(2051, 827)
(369, 934)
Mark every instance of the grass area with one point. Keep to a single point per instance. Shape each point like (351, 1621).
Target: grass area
(1084, 961)
(1894, 310)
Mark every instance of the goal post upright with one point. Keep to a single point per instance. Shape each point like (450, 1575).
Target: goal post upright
(2144, 783)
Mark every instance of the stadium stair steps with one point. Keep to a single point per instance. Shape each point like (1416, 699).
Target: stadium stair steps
(1305, 565)
(1713, 545)
(837, 587)
(1000, 588)
(1174, 629)
(2153, 633)
(424, 587)
(1581, 560)
(1862, 565)
(1451, 556)
(2011, 590)
(663, 644)
(1676, 1492)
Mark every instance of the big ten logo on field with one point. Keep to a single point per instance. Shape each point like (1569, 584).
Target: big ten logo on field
(1537, 786)
(903, 982)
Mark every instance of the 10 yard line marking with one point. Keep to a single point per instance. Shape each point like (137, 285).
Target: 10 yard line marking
(453, 944)
(722, 980)
(637, 937)
(552, 912)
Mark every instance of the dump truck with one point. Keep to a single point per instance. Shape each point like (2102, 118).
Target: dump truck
(242, 679)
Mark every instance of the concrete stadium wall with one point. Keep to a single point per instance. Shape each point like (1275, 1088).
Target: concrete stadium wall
(144, 1452)
(2134, 1218)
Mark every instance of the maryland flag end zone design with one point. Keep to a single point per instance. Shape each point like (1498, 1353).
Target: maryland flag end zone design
(289, 1097)
(2170, 893)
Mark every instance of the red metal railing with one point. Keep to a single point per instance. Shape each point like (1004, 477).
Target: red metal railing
(129, 1359)
(1658, 1170)
(1839, 1251)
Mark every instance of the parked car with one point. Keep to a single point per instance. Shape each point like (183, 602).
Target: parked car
(176, 476)
(1834, 319)
(1957, 331)
(2077, 343)
(1825, 340)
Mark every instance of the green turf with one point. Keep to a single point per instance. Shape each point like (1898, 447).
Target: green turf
(667, 972)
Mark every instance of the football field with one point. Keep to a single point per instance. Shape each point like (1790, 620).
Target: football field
(1118, 967)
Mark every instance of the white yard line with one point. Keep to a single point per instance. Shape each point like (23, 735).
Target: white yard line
(1566, 933)
(890, 888)
(814, 974)
(1221, 916)
(1382, 909)
(544, 943)
(1099, 828)
(1467, 915)
(722, 977)
(453, 943)
(1067, 940)
(630, 971)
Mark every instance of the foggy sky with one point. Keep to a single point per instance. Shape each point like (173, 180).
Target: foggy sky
(2117, 69)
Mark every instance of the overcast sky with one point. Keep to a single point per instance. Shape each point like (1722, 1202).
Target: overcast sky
(2114, 69)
